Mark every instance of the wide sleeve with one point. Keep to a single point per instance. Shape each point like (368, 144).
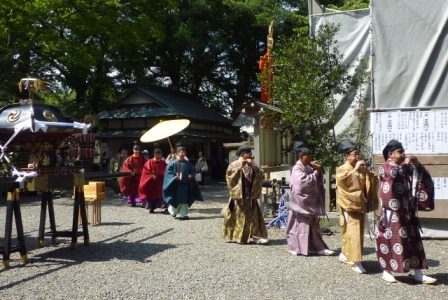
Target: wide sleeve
(425, 190)
(306, 182)
(350, 188)
(127, 165)
(125, 181)
(169, 182)
(372, 192)
(194, 187)
(348, 179)
(161, 167)
(147, 179)
(307, 195)
(150, 168)
(258, 182)
(233, 178)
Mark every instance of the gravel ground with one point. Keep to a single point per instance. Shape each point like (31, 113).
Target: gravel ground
(134, 255)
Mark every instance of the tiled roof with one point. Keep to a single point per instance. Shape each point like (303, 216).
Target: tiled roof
(169, 103)
(136, 134)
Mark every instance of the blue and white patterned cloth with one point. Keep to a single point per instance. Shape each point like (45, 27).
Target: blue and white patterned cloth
(282, 214)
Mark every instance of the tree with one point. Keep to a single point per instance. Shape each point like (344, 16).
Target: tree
(345, 4)
(92, 51)
(73, 44)
(211, 48)
(309, 74)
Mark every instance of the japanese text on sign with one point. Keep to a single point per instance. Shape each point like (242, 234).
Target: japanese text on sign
(420, 132)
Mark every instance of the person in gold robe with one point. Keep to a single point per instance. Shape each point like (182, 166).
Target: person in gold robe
(243, 216)
(356, 194)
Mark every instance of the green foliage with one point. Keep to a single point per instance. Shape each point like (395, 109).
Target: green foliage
(95, 50)
(359, 132)
(72, 44)
(92, 51)
(309, 74)
(345, 4)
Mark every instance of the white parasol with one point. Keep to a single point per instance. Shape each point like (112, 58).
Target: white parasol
(164, 129)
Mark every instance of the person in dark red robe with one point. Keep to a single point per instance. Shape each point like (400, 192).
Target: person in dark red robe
(399, 243)
(151, 182)
(129, 184)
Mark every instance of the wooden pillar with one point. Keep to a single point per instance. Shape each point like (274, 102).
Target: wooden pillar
(330, 189)
(327, 186)
(290, 153)
(279, 147)
(257, 142)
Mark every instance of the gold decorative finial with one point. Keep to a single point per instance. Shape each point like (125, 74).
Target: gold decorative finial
(32, 85)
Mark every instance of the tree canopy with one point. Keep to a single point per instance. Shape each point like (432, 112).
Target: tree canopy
(309, 76)
(345, 4)
(91, 51)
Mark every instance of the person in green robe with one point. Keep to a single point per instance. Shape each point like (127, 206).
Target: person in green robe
(179, 187)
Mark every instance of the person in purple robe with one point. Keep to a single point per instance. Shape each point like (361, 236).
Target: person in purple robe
(399, 246)
(306, 206)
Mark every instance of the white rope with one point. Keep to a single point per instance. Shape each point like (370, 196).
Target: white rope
(5, 146)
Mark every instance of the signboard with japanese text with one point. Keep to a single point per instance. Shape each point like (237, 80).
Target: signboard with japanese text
(440, 188)
(423, 133)
(420, 132)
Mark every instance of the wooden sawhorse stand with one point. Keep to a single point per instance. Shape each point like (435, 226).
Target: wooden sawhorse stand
(13, 211)
(79, 209)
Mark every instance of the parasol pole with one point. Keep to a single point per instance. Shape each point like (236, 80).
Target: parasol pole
(169, 141)
(171, 146)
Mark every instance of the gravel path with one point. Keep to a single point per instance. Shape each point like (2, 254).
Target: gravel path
(134, 255)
